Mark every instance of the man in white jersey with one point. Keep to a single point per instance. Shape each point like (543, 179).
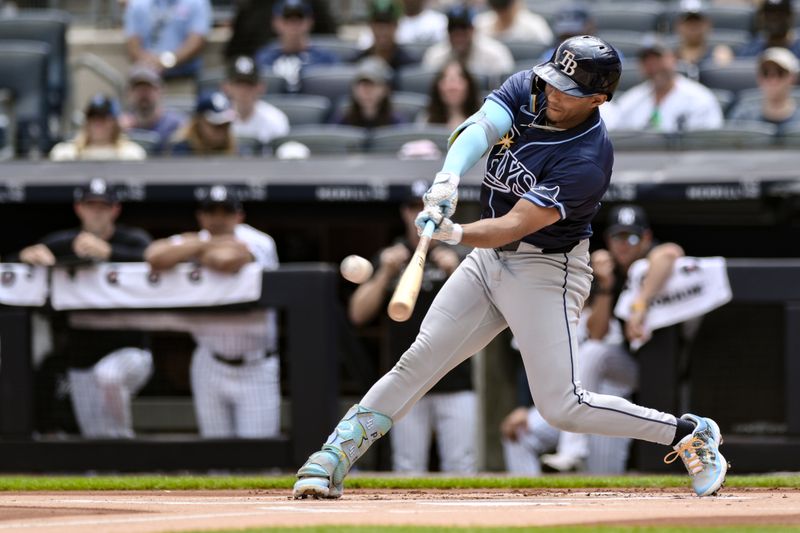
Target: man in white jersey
(235, 372)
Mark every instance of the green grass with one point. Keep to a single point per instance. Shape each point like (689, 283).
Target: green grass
(560, 529)
(63, 483)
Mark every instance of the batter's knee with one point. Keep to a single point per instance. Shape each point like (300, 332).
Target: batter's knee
(561, 415)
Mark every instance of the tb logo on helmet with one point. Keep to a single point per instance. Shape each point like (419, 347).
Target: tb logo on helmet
(568, 63)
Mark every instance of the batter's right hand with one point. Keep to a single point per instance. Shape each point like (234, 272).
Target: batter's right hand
(443, 194)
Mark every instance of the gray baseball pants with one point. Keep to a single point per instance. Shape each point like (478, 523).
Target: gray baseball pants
(539, 296)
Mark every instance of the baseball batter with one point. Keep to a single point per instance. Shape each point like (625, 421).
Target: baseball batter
(235, 372)
(549, 164)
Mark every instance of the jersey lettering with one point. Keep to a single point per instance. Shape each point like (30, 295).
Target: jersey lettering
(568, 63)
(507, 174)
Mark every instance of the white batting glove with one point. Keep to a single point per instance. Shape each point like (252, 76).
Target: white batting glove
(443, 194)
(425, 215)
(448, 232)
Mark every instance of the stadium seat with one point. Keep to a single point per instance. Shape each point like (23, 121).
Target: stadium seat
(249, 146)
(522, 50)
(211, 80)
(723, 17)
(23, 71)
(738, 75)
(725, 98)
(345, 50)
(409, 105)
(733, 136)
(182, 103)
(631, 75)
(638, 140)
(790, 138)
(418, 79)
(302, 109)
(326, 138)
(390, 139)
(626, 41)
(642, 16)
(417, 50)
(332, 81)
(49, 27)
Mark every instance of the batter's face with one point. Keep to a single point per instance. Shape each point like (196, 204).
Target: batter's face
(219, 220)
(566, 111)
(625, 248)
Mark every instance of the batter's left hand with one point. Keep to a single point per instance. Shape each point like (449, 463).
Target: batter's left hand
(448, 232)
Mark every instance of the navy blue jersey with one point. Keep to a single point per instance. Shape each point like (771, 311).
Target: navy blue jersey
(569, 170)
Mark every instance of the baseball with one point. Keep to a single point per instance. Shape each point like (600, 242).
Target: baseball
(356, 269)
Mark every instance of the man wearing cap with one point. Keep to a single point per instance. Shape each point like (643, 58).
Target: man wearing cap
(482, 55)
(549, 164)
(168, 35)
(292, 21)
(775, 25)
(235, 376)
(511, 20)
(105, 368)
(693, 28)
(100, 137)
(383, 17)
(209, 131)
(145, 110)
(255, 118)
(666, 101)
(421, 23)
(777, 76)
(450, 409)
(605, 361)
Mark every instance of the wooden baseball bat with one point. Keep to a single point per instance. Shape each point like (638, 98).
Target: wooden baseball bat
(405, 294)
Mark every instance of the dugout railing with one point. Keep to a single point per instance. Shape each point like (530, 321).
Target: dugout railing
(306, 293)
(676, 377)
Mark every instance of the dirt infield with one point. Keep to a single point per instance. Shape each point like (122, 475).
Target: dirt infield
(67, 512)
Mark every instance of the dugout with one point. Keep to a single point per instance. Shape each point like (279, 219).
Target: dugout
(736, 204)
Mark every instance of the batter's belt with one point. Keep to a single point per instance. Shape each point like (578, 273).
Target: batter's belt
(514, 246)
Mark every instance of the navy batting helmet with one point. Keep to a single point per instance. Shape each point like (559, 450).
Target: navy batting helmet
(581, 66)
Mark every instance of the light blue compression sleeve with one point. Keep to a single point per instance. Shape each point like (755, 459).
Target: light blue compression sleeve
(471, 143)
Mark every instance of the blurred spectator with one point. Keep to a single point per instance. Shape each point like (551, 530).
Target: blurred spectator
(421, 24)
(775, 26)
(383, 17)
(693, 28)
(209, 132)
(255, 118)
(666, 101)
(777, 76)
(482, 55)
(252, 25)
(145, 110)
(370, 96)
(101, 136)
(606, 364)
(105, 368)
(168, 35)
(512, 20)
(571, 20)
(234, 375)
(454, 96)
(292, 21)
(450, 408)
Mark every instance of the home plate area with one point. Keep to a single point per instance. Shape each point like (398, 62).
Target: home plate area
(156, 511)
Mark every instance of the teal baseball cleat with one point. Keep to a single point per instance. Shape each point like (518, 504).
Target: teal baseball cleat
(322, 476)
(699, 452)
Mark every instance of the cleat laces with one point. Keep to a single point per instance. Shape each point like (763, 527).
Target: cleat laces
(691, 453)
